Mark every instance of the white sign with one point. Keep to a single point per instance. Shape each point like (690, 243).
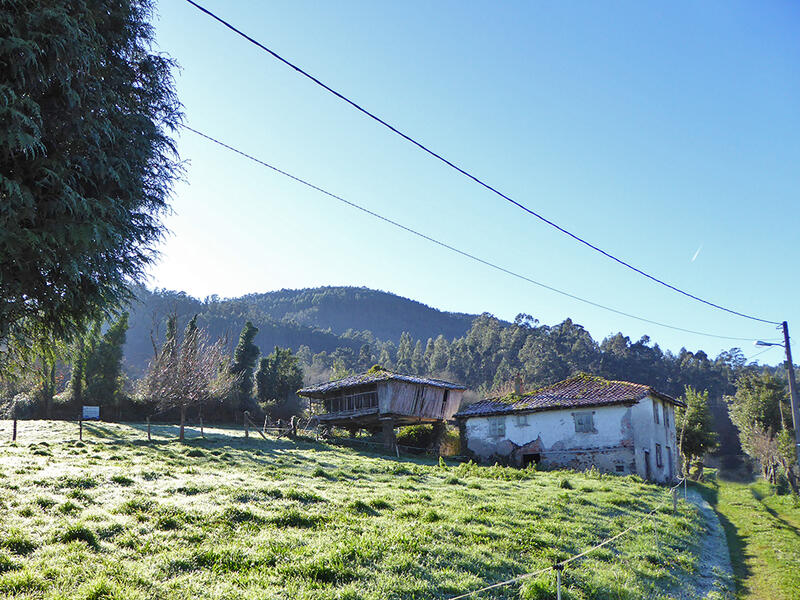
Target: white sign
(91, 413)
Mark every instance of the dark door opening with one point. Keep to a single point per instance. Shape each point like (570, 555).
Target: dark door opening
(533, 458)
(647, 464)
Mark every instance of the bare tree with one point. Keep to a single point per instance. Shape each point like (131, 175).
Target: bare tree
(190, 373)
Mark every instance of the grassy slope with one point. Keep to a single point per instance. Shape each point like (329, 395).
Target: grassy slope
(763, 532)
(115, 517)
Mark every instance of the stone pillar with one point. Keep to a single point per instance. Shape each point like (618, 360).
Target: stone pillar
(387, 427)
(439, 429)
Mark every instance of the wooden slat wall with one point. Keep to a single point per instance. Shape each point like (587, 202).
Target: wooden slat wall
(398, 398)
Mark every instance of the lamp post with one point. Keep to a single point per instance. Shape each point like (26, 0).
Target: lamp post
(792, 385)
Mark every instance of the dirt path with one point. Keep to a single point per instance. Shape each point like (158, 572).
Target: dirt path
(714, 576)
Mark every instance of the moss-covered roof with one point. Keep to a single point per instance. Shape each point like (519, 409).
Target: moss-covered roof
(374, 375)
(581, 390)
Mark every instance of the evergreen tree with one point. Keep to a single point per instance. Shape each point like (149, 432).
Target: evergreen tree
(244, 361)
(697, 436)
(278, 378)
(86, 162)
(83, 349)
(104, 365)
(405, 353)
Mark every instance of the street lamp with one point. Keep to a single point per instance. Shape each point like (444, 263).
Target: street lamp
(792, 384)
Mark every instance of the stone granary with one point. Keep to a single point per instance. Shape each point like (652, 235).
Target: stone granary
(581, 422)
(380, 400)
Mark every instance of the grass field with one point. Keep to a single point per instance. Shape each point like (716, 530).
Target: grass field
(763, 532)
(224, 517)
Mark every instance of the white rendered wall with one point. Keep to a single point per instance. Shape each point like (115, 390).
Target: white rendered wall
(647, 433)
(553, 431)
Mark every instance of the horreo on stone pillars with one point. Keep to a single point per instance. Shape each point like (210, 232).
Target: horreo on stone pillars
(387, 430)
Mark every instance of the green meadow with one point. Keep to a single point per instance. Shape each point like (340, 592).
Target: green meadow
(763, 533)
(224, 517)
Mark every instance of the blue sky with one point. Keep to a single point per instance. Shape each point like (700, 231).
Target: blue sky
(661, 133)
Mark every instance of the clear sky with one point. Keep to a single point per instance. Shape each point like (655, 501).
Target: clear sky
(666, 133)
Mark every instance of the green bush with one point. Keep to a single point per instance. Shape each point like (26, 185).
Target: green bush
(418, 436)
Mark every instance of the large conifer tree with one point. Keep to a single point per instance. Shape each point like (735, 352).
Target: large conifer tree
(86, 161)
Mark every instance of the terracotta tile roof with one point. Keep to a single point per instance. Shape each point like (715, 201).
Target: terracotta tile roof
(578, 391)
(373, 377)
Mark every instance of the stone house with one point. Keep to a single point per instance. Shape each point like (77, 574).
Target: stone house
(578, 423)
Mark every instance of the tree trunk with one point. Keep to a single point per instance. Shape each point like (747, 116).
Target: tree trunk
(183, 419)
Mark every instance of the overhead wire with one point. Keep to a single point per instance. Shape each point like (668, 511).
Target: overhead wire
(469, 175)
(453, 248)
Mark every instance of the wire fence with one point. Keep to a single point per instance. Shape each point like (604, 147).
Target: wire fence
(559, 566)
(291, 431)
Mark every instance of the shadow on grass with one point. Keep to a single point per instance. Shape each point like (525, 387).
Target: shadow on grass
(736, 544)
(775, 515)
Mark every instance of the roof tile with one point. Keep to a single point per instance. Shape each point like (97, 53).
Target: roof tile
(578, 391)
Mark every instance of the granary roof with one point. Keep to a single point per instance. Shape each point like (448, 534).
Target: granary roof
(374, 375)
(579, 391)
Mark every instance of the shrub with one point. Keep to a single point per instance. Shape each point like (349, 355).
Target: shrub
(418, 436)
(565, 484)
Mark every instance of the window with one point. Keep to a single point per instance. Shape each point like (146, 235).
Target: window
(584, 422)
(655, 410)
(444, 400)
(521, 420)
(497, 427)
(666, 416)
(620, 468)
(659, 461)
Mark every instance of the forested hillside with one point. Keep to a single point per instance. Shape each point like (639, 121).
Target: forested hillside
(339, 330)
(323, 319)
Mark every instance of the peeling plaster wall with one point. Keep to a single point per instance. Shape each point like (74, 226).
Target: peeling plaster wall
(553, 437)
(617, 444)
(648, 433)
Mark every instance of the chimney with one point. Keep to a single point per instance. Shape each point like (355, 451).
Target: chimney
(518, 384)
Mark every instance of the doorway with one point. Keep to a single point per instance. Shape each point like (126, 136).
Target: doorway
(647, 464)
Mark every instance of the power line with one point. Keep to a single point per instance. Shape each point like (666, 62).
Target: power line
(453, 248)
(470, 175)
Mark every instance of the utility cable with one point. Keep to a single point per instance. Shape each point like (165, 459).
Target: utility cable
(468, 174)
(453, 248)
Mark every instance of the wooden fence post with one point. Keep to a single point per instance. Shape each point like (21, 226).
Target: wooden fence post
(202, 433)
(149, 439)
(246, 425)
(14, 432)
(80, 429)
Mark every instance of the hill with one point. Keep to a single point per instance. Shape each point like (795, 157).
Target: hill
(324, 319)
(225, 517)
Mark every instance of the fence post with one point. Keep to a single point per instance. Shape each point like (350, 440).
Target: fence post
(202, 433)
(246, 425)
(149, 439)
(674, 500)
(80, 429)
(684, 487)
(14, 432)
(558, 569)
